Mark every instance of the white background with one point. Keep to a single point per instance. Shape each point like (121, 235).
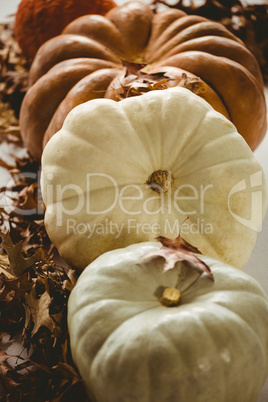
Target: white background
(257, 266)
(7, 7)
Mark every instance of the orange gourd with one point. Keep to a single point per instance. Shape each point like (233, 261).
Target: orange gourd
(88, 60)
(39, 20)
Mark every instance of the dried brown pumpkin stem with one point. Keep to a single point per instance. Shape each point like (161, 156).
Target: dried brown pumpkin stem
(160, 181)
(170, 297)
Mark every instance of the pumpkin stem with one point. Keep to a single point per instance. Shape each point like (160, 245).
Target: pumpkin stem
(160, 181)
(170, 297)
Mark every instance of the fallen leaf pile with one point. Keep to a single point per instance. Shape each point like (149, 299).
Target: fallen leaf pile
(34, 290)
(13, 85)
(34, 284)
(13, 70)
(136, 82)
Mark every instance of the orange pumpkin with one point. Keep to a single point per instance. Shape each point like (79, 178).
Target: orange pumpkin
(39, 20)
(88, 61)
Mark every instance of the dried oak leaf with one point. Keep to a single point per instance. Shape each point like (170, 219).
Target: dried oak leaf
(14, 288)
(28, 196)
(12, 315)
(4, 266)
(175, 250)
(37, 311)
(17, 262)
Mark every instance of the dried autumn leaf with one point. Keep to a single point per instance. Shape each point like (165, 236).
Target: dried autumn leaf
(137, 81)
(4, 266)
(138, 88)
(69, 283)
(3, 356)
(28, 196)
(18, 263)
(13, 288)
(29, 238)
(194, 84)
(6, 371)
(37, 311)
(176, 250)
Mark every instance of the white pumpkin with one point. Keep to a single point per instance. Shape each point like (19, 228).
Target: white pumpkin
(129, 347)
(123, 173)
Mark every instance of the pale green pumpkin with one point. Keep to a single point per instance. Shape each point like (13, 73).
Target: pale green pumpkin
(119, 173)
(128, 346)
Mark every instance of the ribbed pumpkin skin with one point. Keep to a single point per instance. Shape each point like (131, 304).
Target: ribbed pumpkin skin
(104, 145)
(83, 62)
(128, 347)
(39, 20)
